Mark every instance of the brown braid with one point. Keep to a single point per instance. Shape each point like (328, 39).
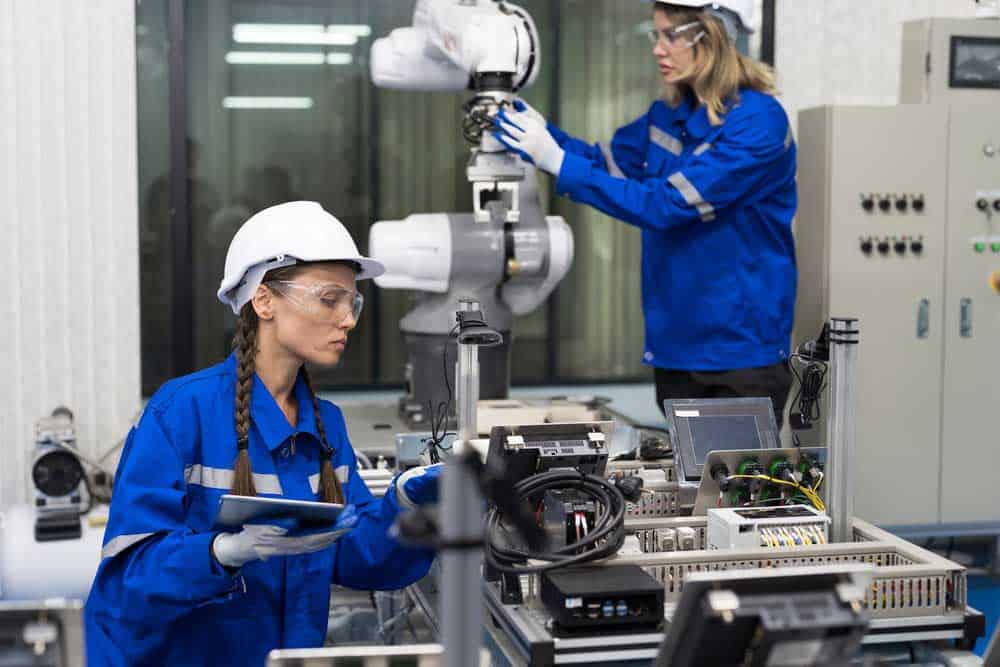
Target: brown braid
(330, 488)
(245, 344)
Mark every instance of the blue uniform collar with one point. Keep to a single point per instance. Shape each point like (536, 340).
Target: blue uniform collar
(698, 124)
(268, 417)
(695, 120)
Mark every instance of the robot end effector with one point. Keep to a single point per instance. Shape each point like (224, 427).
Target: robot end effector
(491, 48)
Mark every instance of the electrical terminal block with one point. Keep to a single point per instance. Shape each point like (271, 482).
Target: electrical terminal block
(786, 526)
(653, 504)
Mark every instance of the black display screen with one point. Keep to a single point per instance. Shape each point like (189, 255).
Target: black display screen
(722, 432)
(975, 62)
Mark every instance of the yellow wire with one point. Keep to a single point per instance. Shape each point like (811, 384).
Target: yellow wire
(810, 494)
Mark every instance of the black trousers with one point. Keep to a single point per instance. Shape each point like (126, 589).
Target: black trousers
(773, 381)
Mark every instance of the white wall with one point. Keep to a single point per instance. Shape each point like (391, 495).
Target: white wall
(846, 51)
(69, 298)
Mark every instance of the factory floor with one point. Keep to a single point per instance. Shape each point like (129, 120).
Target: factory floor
(638, 402)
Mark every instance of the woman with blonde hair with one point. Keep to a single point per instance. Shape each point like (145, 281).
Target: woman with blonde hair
(708, 175)
(172, 588)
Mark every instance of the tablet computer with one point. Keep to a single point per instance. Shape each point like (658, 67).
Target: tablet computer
(235, 511)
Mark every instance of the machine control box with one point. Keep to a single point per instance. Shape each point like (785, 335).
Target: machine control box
(616, 596)
(536, 448)
(766, 527)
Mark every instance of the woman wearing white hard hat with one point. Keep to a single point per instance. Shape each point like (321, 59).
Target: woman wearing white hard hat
(708, 175)
(173, 590)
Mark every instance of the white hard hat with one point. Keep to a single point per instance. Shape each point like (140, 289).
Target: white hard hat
(735, 14)
(282, 235)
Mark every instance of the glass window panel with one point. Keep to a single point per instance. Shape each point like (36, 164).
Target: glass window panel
(155, 239)
(368, 154)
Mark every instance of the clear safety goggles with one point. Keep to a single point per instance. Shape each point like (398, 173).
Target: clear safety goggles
(324, 300)
(677, 36)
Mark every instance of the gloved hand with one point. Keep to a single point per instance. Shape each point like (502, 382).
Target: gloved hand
(521, 105)
(419, 486)
(526, 135)
(261, 541)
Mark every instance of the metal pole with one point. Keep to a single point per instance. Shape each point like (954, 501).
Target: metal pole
(840, 427)
(462, 521)
(181, 225)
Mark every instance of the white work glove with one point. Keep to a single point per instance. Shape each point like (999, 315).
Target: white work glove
(524, 107)
(260, 542)
(524, 132)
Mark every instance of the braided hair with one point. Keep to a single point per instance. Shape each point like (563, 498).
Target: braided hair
(245, 346)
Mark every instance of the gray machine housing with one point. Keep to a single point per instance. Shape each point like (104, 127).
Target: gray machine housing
(483, 256)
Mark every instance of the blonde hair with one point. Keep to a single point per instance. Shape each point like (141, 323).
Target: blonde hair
(719, 69)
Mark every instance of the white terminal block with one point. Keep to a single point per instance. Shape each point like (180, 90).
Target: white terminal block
(766, 527)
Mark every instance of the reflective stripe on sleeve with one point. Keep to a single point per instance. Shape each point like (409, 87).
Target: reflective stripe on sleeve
(665, 141)
(609, 158)
(702, 148)
(121, 543)
(692, 196)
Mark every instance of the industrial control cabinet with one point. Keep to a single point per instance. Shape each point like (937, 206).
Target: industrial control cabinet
(899, 225)
(870, 239)
(971, 385)
(950, 60)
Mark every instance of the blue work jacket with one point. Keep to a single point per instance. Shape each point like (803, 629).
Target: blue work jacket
(160, 598)
(715, 205)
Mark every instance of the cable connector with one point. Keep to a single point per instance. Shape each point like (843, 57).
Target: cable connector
(630, 487)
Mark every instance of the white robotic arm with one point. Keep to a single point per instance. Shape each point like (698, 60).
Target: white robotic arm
(505, 254)
(452, 42)
(418, 255)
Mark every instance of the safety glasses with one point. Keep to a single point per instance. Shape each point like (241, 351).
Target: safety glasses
(677, 37)
(324, 300)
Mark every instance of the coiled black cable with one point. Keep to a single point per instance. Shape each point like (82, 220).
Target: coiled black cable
(811, 381)
(602, 541)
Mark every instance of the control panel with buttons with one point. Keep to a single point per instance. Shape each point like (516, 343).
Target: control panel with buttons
(889, 245)
(985, 244)
(886, 203)
(988, 201)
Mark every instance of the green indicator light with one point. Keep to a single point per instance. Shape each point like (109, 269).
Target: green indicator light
(979, 246)
(995, 247)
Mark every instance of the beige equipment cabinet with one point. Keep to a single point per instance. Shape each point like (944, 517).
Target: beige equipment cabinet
(870, 239)
(926, 287)
(950, 60)
(929, 364)
(971, 384)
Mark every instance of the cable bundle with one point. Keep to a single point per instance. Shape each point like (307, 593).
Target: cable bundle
(601, 540)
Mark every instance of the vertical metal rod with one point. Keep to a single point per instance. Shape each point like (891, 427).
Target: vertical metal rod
(555, 113)
(182, 285)
(840, 427)
(767, 32)
(468, 392)
(461, 585)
